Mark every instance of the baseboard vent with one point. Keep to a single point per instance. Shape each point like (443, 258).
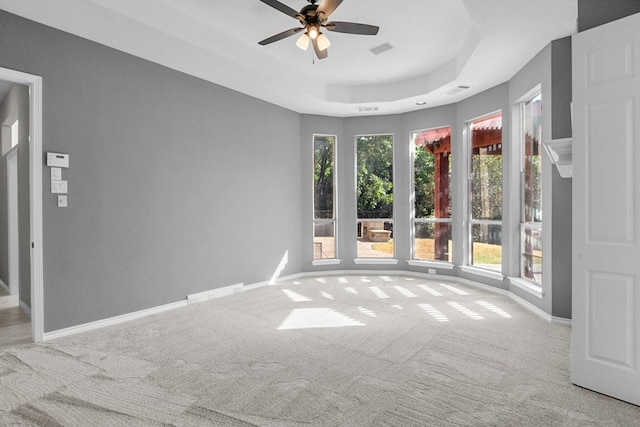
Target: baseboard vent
(214, 293)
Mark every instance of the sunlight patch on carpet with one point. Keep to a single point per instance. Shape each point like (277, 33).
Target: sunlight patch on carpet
(406, 292)
(294, 296)
(454, 289)
(434, 312)
(326, 295)
(495, 309)
(464, 310)
(378, 292)
(367, 312)
(306, 318)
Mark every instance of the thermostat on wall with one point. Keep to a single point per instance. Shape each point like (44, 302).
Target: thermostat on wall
(58, 160)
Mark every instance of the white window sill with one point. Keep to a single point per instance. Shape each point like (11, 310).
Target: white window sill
(331, 261)
(431, 264)
(375, 261)
(482, 272)
(526, 286)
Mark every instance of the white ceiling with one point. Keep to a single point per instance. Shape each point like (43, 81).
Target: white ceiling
(438, 45)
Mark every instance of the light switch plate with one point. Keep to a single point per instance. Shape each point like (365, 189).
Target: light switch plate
(59, 187)
(62, 201)
(56, 174)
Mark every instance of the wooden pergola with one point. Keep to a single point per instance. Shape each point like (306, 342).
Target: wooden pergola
(485, 134)
(438, 142)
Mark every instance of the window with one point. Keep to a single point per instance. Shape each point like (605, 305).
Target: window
(432, 194)
(485, 187)
(374, 193)
(14, 134)
(10, 134)
(324, 212)
(531, 190)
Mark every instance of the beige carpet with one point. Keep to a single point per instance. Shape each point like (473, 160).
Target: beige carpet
(326, 351)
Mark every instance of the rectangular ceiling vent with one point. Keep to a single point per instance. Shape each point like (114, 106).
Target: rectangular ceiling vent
(457, 90)
(381, 49)
(367, 109)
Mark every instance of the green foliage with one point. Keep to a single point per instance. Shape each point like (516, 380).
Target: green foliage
(486, 187)
(323, 183)
(374, 186)
(424, 169)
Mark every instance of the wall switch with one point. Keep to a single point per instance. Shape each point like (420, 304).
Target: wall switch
(56, 174)
(59, 187)
(62, 201)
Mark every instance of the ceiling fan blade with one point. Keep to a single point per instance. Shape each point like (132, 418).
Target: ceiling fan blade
(328, 6)
(280, 36)
(282, 8)
(321, 54)
(352, 28)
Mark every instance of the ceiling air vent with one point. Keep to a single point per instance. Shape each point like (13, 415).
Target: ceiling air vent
(381, 49)
(457, 90)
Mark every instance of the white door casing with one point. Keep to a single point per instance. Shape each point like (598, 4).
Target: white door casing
(35, 195)
(606, 209)
(12, 223)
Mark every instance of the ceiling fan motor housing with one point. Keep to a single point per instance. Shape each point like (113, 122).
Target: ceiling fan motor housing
(312, 20)
(310, 14)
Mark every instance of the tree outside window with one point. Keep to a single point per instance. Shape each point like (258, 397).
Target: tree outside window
(324, 218)
(374, 193)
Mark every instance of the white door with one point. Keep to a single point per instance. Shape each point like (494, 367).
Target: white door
(606, 209)
(12, 222)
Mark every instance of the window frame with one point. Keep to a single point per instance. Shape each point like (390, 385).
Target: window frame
(414, 220)
(391, 259)
(315, 221)
(468, 265)
(536, 226)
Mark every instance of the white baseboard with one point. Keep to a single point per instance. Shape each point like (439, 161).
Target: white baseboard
(25, 308)
(215, 293)
(111, 321)
(237, 288)
(532, 308)
(4, 285)
(191, 299)
(561, 321)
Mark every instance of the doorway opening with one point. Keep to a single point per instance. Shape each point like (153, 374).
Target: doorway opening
(21, 194)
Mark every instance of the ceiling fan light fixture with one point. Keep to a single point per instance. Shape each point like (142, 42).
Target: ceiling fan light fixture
(313, 31)
(303, 41)
(313, 18)
(323, 42)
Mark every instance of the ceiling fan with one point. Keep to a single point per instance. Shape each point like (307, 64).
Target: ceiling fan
(313, 18)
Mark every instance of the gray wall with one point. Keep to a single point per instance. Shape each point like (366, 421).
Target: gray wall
(16, 102)
(176, 185)
(561, 127)
(551, 63)
(592, 13)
